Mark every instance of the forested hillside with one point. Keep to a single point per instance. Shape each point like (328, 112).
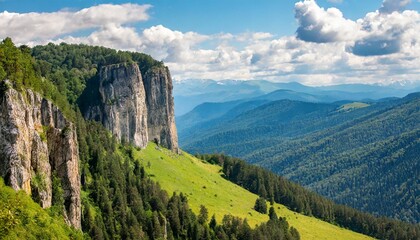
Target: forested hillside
(271, 186)
(353, 155)
(119, 200)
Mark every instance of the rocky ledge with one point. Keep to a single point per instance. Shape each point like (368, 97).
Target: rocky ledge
(36, 143)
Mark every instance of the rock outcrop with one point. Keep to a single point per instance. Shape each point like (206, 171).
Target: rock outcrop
(122, 108)
(160, 105)
(133, 107)
(36, 141)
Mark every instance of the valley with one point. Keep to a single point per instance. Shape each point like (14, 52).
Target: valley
(346, 151)
(203, 185)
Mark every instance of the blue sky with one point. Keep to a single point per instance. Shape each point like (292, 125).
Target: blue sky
(210, 17)
(316, 43)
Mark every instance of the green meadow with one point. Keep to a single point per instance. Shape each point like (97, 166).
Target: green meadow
(204, 185)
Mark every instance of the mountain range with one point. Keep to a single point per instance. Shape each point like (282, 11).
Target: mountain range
(89, 149)
(352, 152)
(191, 93)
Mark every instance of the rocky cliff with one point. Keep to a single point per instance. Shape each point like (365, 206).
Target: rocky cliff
(160, 106)
(122, 108)
(133, 107)
(37, 142)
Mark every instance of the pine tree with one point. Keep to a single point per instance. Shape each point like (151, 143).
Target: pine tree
(260, 205)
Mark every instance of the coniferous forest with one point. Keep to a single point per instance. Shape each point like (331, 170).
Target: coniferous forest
(353, 157)
(275, 188)
(119, 200)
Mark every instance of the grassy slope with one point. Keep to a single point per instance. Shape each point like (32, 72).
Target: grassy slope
(202, 183)
(22, 218)
(352, 106)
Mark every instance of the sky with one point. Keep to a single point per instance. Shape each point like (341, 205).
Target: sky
(322, 42)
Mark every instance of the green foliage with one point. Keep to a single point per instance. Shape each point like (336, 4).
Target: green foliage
(272, 213)
(268, 184)
(18, 66)
(353, 157)
(57, 195)
(70, 67)
(38, 185)
(187, 174)
(260, 205)
(204, 215)
(21, 218)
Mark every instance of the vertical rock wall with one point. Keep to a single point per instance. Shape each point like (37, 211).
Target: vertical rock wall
(135, 108)
(35, 142)
(122, 108)
(160, 105)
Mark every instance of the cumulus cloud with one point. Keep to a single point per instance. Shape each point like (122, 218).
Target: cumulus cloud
(382, 32)
(321, 25)
(327, 48)
(386, 33)
(24, 27)
(169, 45)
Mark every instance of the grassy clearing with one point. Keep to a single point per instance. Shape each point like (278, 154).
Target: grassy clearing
(352, 106)
(203, 185)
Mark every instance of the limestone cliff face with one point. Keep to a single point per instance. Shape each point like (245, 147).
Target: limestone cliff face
(122, 108)
(35, 142)
(160, 105)
(133, 107)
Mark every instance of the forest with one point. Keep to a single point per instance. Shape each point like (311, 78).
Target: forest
(119, 200)
(276, 188)
(353, 157)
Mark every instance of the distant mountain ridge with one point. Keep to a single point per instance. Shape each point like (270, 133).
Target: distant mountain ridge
(191, 93)
(351, 156)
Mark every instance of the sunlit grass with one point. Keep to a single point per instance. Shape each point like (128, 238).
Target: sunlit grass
(203, 185)
(352, 106)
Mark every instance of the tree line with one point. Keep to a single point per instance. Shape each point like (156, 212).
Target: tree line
(119, 200)
(276, 188)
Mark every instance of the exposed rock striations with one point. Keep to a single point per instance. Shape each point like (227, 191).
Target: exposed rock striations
(134, 108)
(36, 141)
(160, 105)
(122, 108)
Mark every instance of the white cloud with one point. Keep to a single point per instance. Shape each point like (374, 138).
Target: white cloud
(381, 32)
(386, 33)
(25, 27)
(169, 45)
(319, 25)
(327, 49)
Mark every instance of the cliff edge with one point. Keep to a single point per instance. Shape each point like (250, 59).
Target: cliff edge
(135, 108)
(36, 143)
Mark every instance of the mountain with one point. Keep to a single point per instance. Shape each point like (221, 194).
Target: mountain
(210, 114)
(204, 185)
(352, 153)
(133, 107)
(64, 142)
(191, 93)
(83, 172)
(37, 143)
